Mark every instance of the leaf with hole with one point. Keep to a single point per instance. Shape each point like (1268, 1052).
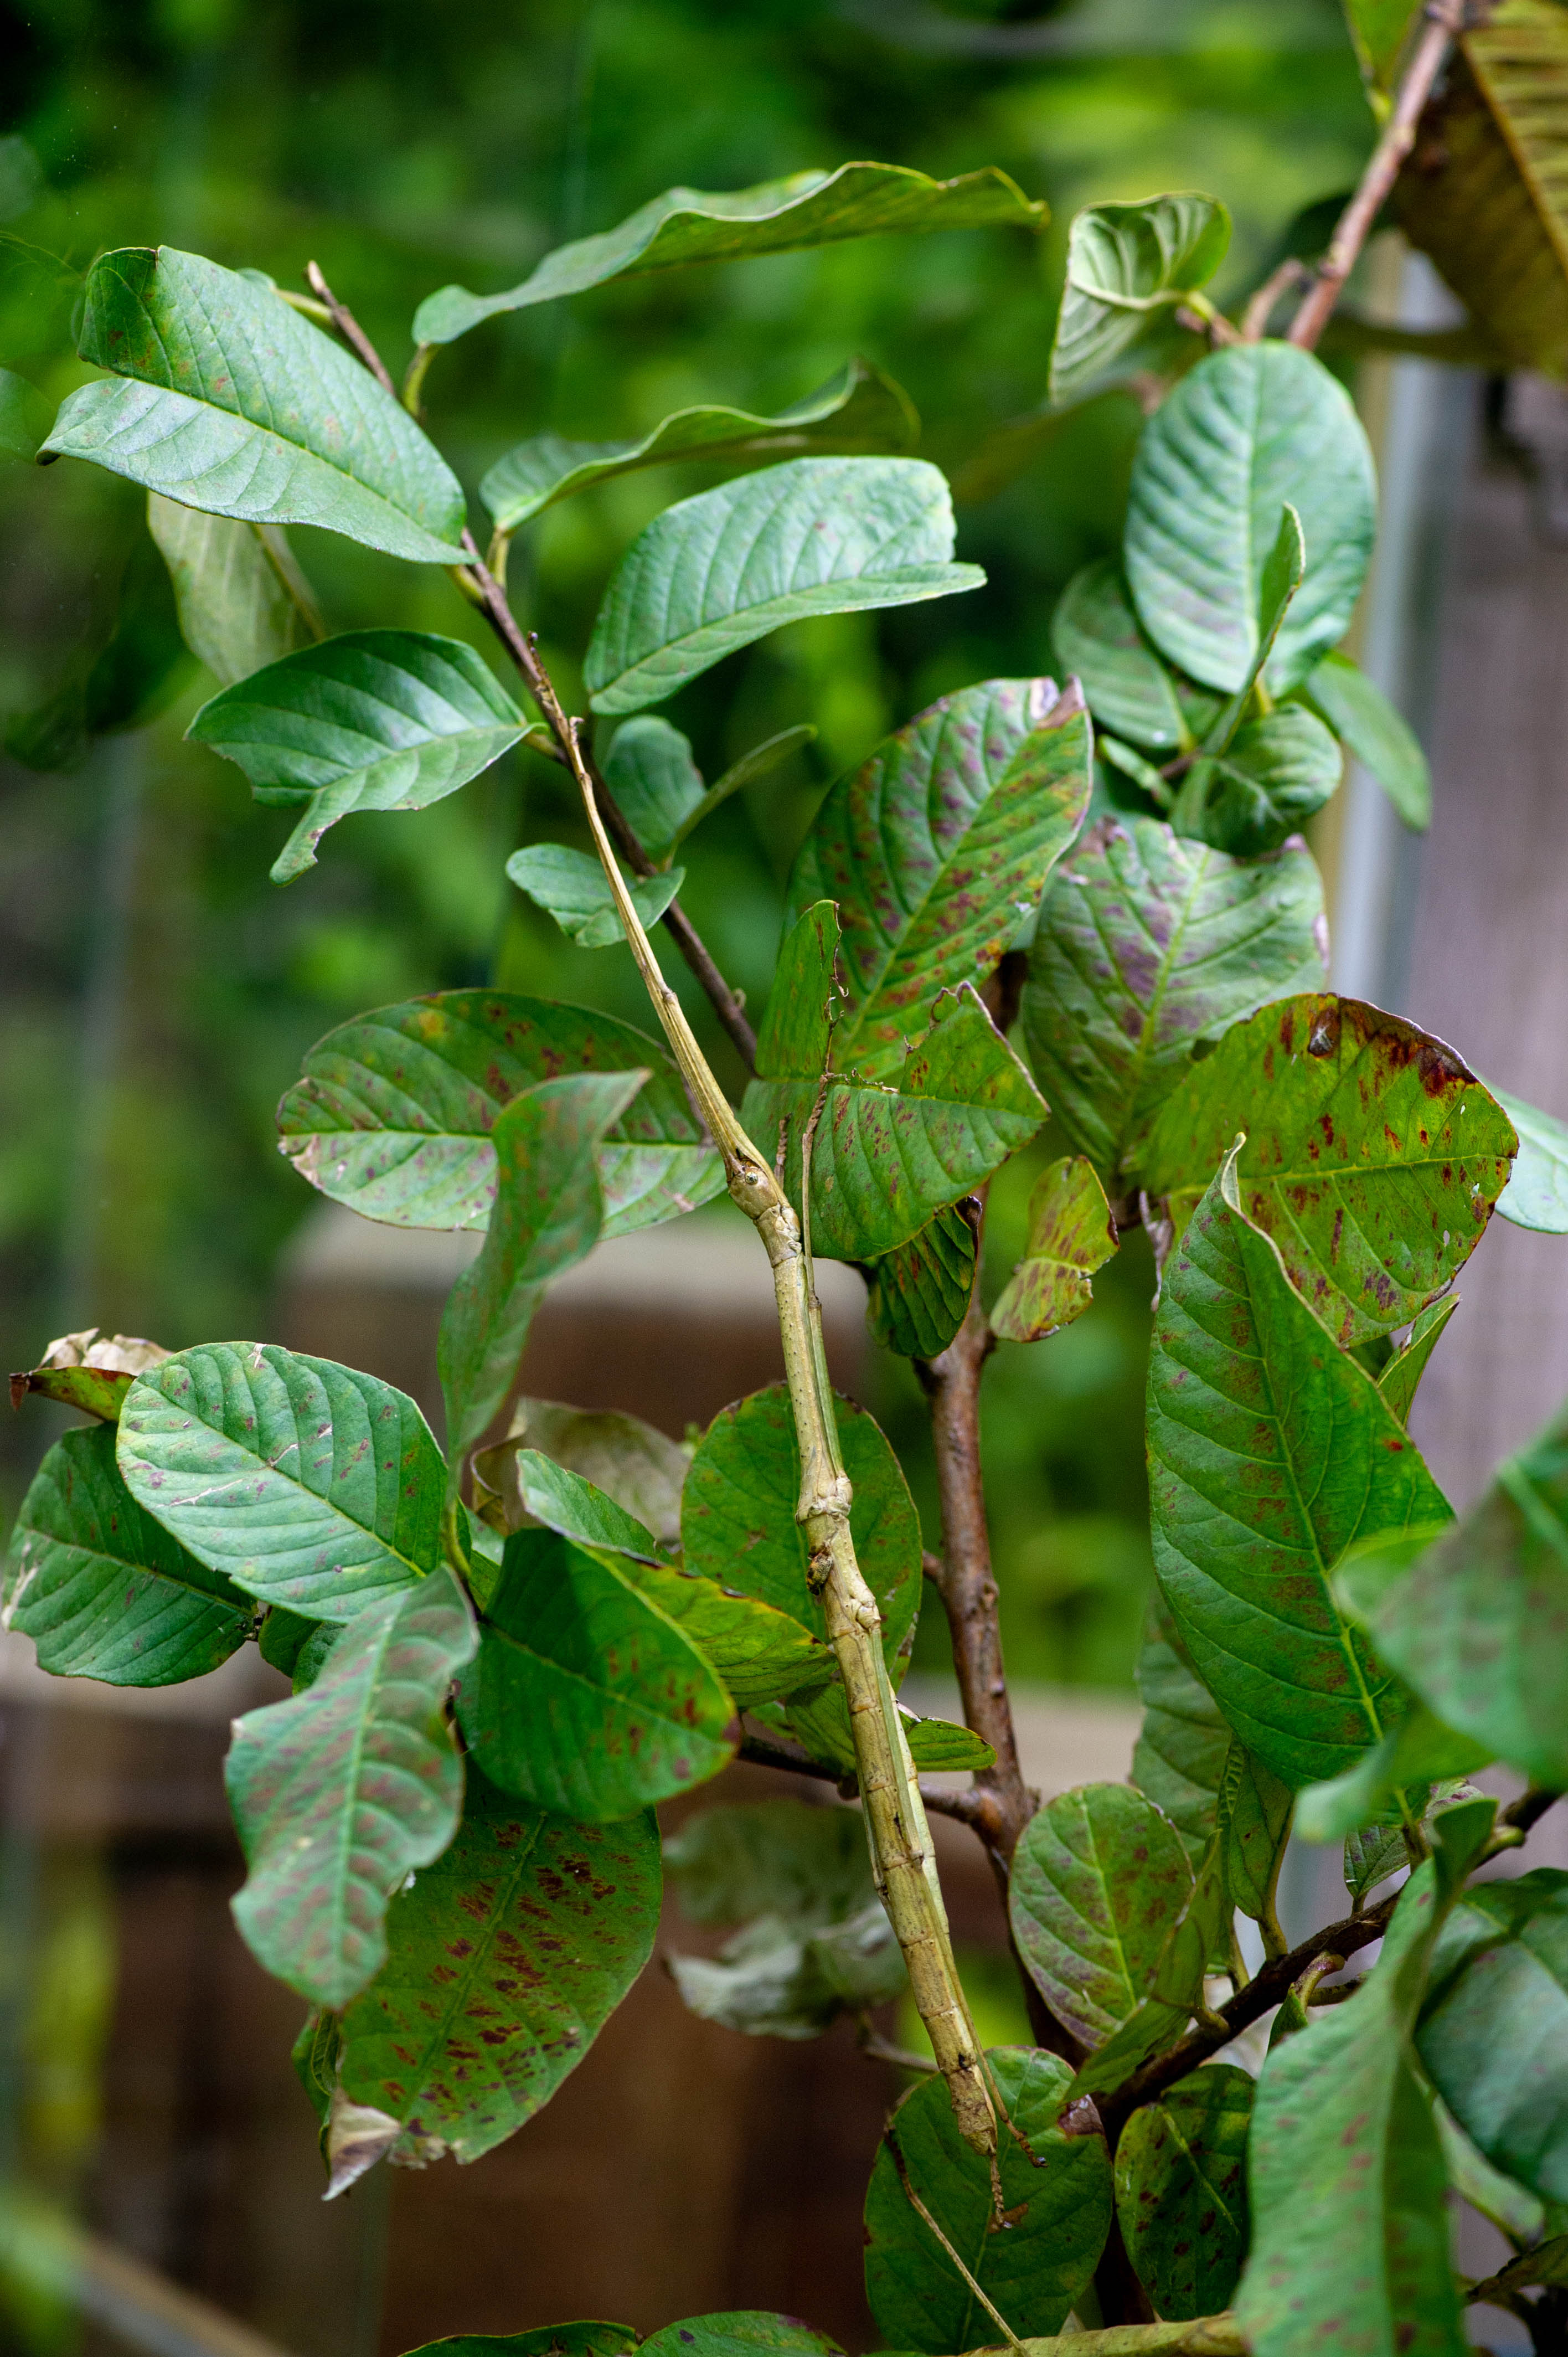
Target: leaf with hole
(244, 602)
(224, 398)
(1379, 737)
(341, 1794)
(1099, 1877)
(1181, 2192)
(716, 572)
(688, 225)
(1128, 267)
(573, 886)
(1071, 1233)
(307, 1484)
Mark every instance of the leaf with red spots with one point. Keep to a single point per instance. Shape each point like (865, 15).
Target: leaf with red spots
(1181, 2192)
(1373, 1157)
(504, 1961)
(1099, 1881)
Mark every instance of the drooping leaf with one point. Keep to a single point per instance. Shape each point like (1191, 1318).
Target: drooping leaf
(1252, 428)
(244, 602)
(1126, 265)
(372, 720)
(547, 1214)
(1071, 1233)
(573, 886)
(90, 1371)
(1181, 2192)
(638, 1466)
(686, 225)
(935, 849)
(307, 1483)
(1270, 1453)
(1471, 2175)
(505, 1960)
(917, 1297)
(1271, 777)
(1379, 737)
(1400, 1377)
(716, 572)
(1147, 945)
(101, 1589)
(1183, 1743)
(1373, 1156)
(394, 1111)
(859, 409)
(654, 780)
(339, 1794)
(1348, 2181)
(1492, 2029)
(1056, 2190)
(1097, 636)
(589, 2339)
(585, 1698)
(814, 1940)
(25, 417)
(224, 398)
(1537, 1194)
(1099, 1879)
(295, 1646)
(1254, 1818)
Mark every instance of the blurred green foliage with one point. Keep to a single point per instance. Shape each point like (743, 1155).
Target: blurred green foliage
(158, 991)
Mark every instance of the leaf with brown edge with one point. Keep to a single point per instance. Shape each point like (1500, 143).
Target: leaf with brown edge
(1373, 1156)
(92, 1372)
(1071, 1233)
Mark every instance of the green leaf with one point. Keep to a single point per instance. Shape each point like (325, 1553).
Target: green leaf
(1465, 1623)
(919, 1295)
(1254, 1823)
(640, 1467)
(1181, 2192)
(339, 1794)
(585, 2340)
(504, 1961)
(1492, 2030)
(716, 572)
(1097, 636)
(743, 2332)
(935, 849)
(307, 1483)
(1056, 2190)
(1071, 1233)
(547, 1215)
(1518, 2213)
(1282, 576)
(1126, 264)
(1270, 1453)
(686, 225)
(939, 1744)
(243, 601)
(814, 1941)
(295, 1646)
(1347, 2181)
(1183, 1743)
(1147, 946)
(654, 780)
(585, 1698)
(25, 417)
(1371, 1855)
(372, 720)
(1537, 1194)
(91, 1372)
(565, 1501)
(1372, 1157)
(1380, 737)
(1252, 427)
(225, 399)
(1401, 1374)
(573, 887)
(1274, 773)
(859, 409)
(395, 1111)
(1099, 1879)
(1378, 33)
(101, 1589)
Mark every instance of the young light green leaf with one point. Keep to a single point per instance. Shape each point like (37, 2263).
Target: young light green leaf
(1147, 945)
(1252, 428)
(373, 720)
(1252, 1509)
(1126, 265)
(638, 1466)
(1273, 774)
(1144, 774)
(572, 886)
(102, 1589)
(585, 1698)
(1071, 1233)
(339, 1794)
(919, 1295)
(654, 780)
(244, 602)
(686, 225)
(1277, 585)
(1401, 1376)
(307, 1484)
(1380, 737)
(1373, 1156)
(859, 409)
(504, 1961)
(25, 417)
(1099, 1879)
(1056, 2191)
(1183, 1743)
(1097, 636)
(91, 1372)
(547, 1215)
(1537, 1194)
(716, 572)
(934, 850)
(395, 1111)
(1181, 2192)
(224, 398)
(1492, 2032)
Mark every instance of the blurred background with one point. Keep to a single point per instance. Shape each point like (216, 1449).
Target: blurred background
(159, 992)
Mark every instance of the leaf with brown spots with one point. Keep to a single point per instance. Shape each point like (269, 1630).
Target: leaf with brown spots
(1071, 1233)
(504, 1961)
(1373, 1157)
(1099, 1881)
(1181, 2192)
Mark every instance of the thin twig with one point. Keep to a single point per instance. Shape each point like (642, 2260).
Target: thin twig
(1444, 22)
(991, 2310)
(871, 2041)
(349, 327)
(1291, 272)
(970, 1808)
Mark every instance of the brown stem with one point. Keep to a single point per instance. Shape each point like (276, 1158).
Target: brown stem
(1529, 1808)
(349, 327)
(1445, 20)
(1260, 308)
